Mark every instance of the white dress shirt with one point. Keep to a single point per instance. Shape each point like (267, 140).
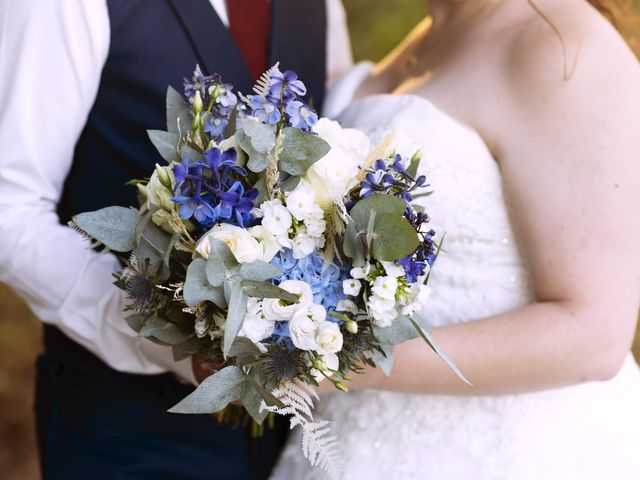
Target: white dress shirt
(51, 57)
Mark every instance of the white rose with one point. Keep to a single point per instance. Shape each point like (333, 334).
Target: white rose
(304, 324)
(329, 338)
(276, 218)
(269, 243)
(351, 287)
(303, 245)
(393, 269)
(347, 306)
(244, 247)
(334, 174)
(385, 287)
(299, 288)
(278, 310)
(328, 364)
(301, 202)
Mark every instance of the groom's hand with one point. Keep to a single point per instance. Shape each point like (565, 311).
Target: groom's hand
(202, 368)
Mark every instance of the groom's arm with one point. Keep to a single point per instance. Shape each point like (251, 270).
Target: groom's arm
(51, 58)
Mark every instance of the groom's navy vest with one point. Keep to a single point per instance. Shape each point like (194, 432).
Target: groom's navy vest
(154, 44)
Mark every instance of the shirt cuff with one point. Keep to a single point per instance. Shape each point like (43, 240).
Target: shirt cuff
(163, 356)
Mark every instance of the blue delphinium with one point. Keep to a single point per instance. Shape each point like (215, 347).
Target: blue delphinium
(391, 178)
(213, 190)
(415, 264)
(218, 100)
(280, 101)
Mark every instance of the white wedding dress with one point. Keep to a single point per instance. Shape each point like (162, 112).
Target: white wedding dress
(585, 432)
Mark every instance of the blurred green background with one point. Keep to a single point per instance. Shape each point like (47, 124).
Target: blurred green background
(376, 26)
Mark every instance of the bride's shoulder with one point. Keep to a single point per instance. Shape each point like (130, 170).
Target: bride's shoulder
(567, 48)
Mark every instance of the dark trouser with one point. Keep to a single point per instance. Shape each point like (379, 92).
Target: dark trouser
(95, 423)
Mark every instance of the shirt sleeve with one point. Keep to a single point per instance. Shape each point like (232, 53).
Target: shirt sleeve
(339, 57)
(51, 58)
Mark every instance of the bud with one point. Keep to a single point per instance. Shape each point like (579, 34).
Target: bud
(319, 364)
(197, 103)
(352, 327)
(164, 176)
(142, 189)
(341, 387)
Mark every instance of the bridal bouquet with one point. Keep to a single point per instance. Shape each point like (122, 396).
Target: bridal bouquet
(277, 243)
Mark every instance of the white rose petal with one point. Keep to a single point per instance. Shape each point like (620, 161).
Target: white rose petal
(329, 338)
(330, 362)
(385, 287)
(244, 247)
(304, 324)
(351, 286)
(347, 306)
(299, 288)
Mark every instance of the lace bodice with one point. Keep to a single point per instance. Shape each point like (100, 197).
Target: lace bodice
(571, 433)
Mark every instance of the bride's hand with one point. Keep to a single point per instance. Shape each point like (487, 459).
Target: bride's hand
(202, 368)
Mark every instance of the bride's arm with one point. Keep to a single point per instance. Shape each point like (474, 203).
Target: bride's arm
(569, 153)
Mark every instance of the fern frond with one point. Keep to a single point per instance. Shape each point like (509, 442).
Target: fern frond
(318, 446)
(93, 242)
(262, 85)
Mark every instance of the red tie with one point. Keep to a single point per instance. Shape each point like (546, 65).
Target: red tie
(250, 26)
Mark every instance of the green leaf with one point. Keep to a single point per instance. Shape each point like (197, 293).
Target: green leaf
(254, 379)
(384, 361)
(259, 271)
(244, 351)
(166, 144)
(152, 245)
(352, 244)
(193, 154)
(252, 401)
(256, 139)
(214, 393)
(257, 161)
(221, 263)
(197, 288)
(261, 186)
(400, 331)
(393, 238)
(112, 226)
(136, 321)
(235, 315)
(179, 119)
(300, 150)
(382, 204)
(267, 290)
(164, 331)
(414, 164)
(290, 184)
(186, 349)
(426, 336)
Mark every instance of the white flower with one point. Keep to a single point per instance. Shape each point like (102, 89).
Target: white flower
(256, 326)
(393, 269)
(303, 245)
(304, 325)
(334, 174)
(301, 202)
(385, 287)
(277, 219)
(269, 243)
(244, 247)
(325, 363)
(418, 296)
(316, 225)
(159, 189)
(328, 338)
(360, 272)
(382, 310)
(278, 310)
(351, 286)
(347, 306)
(299, 288)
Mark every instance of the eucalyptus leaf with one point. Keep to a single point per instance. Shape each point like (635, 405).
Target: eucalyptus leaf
(186, 349)
(257, 161)
(235, 315)
(135, 321)
(412, 169)
(197, 288)
(393, 238)
(262, 136)
(163, 330)
(251, 400)
(352, 243)
(191, 153)
(221, 263)
(382, 204)
(152, 247)
(261, 186)
(400, 331)
(290, 184)
(266, 290)
(300, 150)
(179, 118)
(426, 336)
(214, 393)
(254, 379)
(259, 271)
(166, 144)
(244, 351)
(384, 361)
(112, 226)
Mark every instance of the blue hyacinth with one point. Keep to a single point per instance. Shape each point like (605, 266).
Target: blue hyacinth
(390, 179)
